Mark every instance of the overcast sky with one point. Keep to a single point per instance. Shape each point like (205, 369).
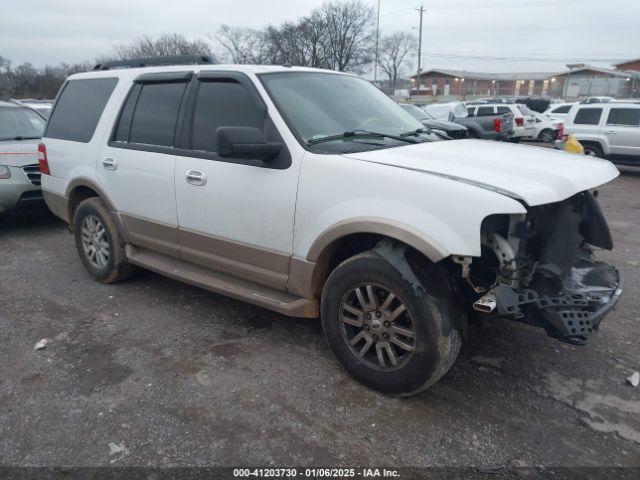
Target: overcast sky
(53, 31)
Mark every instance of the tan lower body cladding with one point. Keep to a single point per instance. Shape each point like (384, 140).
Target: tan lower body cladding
(259, 276)
(251, 265)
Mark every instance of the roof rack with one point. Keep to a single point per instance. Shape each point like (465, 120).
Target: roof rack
(156, 61)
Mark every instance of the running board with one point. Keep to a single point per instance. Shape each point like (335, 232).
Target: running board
(278, 301)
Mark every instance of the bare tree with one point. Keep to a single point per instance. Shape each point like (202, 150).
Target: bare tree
(394, 52)
(349, 37)
(242, 45)
(166, 45)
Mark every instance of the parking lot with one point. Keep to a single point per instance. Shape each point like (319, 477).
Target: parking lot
(155, 372)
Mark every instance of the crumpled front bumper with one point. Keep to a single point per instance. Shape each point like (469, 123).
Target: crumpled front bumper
(571, 315)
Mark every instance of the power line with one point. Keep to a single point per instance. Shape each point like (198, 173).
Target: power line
(523, 59)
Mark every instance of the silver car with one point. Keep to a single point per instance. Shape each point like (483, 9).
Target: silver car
(20, 132)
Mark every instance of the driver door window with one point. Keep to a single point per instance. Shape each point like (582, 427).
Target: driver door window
(237, 217)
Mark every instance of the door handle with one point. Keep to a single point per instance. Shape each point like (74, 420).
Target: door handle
(610, 132)
(109, 163)
(194, 177)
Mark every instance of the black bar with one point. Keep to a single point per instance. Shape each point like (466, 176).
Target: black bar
(156, 61)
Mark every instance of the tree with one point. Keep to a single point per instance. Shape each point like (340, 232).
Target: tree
(349, 36)
(167, 44)
(242, 45)
(393, 55)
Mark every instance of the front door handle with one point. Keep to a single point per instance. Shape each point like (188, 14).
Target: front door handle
(194, 177)
(109, 163)
(610, 132)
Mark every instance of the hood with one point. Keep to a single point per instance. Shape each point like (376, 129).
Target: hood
(443, 125)
(535, 175)
(18, 153)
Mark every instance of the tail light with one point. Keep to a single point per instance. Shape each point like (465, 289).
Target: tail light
(560, 131)
(519, 121)
(497, 125)
(43, 164)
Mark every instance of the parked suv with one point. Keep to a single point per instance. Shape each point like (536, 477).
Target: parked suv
(312, 193)
(607, 130)
(20, 132)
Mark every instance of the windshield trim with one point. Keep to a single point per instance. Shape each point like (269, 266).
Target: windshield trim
(303, 143)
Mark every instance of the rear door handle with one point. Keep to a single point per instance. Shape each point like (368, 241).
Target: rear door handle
(109, 163)
(610, 132)
(194, 177)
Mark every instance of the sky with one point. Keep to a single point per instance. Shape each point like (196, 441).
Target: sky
(471, 35)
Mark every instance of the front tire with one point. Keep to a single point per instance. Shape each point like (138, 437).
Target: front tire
(389, 333)
(99, 243)
(592, 150)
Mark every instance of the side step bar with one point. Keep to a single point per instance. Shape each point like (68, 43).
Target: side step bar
(269, 298)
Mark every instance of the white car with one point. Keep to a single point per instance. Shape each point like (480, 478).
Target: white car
(546, 129)
(523, 117)
(312, 193)
(607, 130)
(558, 111)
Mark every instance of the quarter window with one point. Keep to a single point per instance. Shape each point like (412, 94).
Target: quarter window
(629, 117)
(77, 111)
(155, 114)
(502, 110)
(562, 109)
(486, 111)
(222, 103)
(588, 116)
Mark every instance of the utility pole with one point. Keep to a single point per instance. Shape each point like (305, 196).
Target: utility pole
(375, 67)
(421, 10)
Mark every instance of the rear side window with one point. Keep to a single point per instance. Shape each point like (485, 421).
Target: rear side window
(629, 117)
(503, 110)
(588, 116)
(562, 109)
(222, 103)
(155, 114)
(77, 111)
(485, 111)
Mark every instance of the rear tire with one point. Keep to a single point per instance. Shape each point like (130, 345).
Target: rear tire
(99, 243)
(422, 338)
(592, 150)
(546, 135)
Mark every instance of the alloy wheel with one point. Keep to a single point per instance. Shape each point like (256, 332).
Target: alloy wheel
(377, 327)
(94, 241)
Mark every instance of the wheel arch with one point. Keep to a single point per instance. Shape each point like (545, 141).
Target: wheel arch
(349, 238)
(80, 189)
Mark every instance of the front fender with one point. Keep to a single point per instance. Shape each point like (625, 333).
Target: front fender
(438, 216)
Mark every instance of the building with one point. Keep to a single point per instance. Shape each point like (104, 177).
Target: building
(576, 82)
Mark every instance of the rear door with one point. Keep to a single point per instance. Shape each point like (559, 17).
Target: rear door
(622, 128)
(235, 215)
(137, 165)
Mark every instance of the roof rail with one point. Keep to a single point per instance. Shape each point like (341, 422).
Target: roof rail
(156, 61)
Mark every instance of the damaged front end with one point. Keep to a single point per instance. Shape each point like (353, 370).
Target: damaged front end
(541, 268)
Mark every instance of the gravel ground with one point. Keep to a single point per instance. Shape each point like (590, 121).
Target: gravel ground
(154, 372)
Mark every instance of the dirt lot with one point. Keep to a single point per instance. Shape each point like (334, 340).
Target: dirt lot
(154, 372)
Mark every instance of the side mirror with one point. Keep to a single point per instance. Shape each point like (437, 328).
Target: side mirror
(245, 142)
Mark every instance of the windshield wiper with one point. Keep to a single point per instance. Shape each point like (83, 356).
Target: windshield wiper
(358, 133)
(20, 137)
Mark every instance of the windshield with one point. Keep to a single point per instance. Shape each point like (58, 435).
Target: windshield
(18, 122)
(319, 105)
(415, 112)
(441, 110)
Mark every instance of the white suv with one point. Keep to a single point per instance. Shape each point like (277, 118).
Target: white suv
(312, 193)
(607, 130)
(524, 121)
